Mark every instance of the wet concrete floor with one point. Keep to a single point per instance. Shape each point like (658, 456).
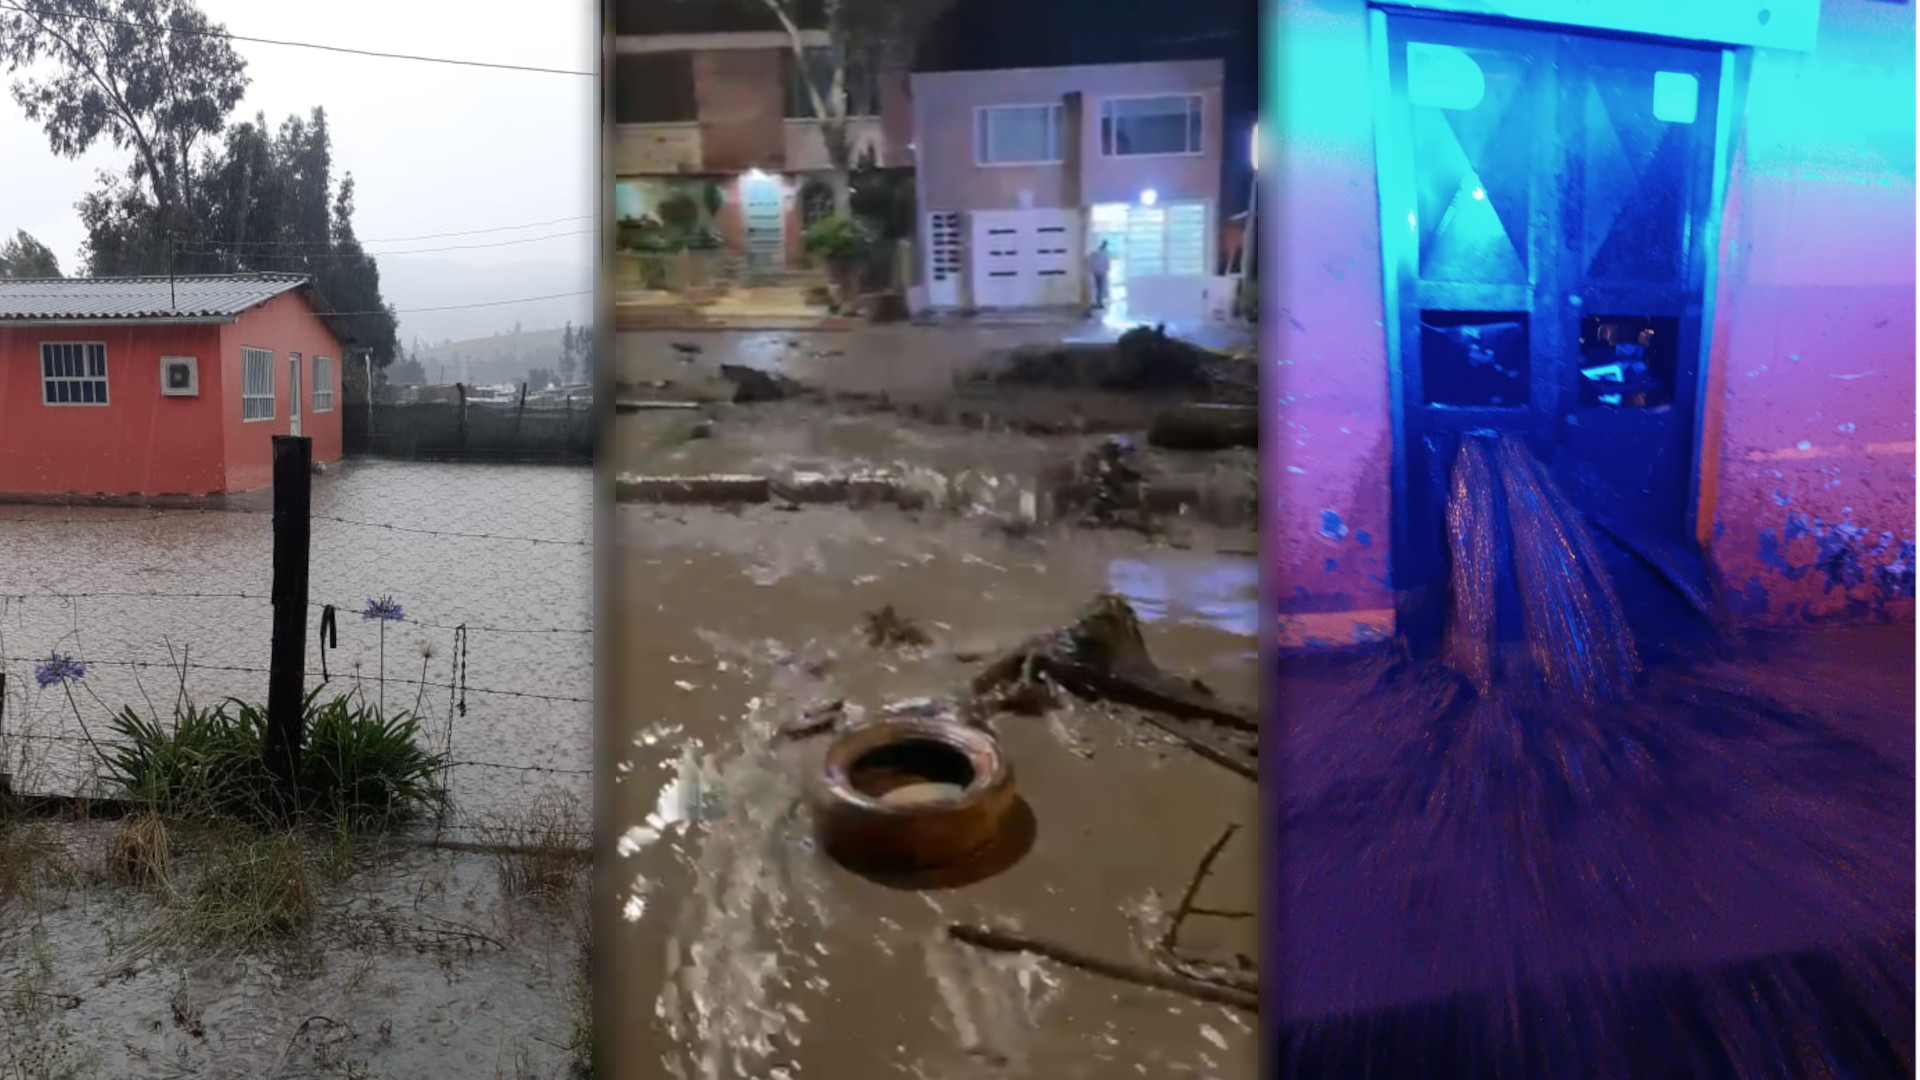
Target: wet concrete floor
(742, 951)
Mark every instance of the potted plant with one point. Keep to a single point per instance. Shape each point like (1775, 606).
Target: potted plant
(842, 245)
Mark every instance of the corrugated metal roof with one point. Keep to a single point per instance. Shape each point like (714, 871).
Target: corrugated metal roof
(137, 298)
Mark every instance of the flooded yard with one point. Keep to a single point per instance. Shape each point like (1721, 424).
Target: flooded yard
(143, 947)
(741, 949)
(134, 594)
(411, 963)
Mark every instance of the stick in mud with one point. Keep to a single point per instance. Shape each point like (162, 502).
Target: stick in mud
(1000, 941)
(1170, 941)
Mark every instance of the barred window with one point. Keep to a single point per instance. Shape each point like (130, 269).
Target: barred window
(256, 384)
(322, 384)
(73, 373)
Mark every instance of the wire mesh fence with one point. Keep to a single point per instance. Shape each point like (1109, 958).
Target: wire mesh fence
(489, 566)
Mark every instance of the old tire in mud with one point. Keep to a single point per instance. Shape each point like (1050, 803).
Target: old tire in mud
(911, 794)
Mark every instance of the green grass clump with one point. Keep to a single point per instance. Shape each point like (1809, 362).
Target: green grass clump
(256, 893)
(358, 768)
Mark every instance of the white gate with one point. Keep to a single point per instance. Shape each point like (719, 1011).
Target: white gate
(1026, 258)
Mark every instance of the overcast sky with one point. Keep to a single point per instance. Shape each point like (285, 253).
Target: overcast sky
(433, 148)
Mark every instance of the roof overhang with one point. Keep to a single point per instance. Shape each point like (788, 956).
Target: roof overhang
(184, 320)
(334, 323)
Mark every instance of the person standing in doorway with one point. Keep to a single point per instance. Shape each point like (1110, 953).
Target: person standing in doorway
(1098, 264)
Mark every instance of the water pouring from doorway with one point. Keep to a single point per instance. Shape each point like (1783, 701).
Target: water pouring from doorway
(1539, 853)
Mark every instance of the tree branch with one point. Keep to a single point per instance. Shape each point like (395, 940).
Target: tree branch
(114, 95)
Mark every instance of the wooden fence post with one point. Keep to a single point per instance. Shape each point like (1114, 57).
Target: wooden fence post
(286, 677)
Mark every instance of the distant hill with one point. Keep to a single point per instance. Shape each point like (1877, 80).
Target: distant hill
(502, 358)
(413, 284)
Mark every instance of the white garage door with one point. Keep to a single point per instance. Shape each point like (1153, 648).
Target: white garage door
(1026, 258)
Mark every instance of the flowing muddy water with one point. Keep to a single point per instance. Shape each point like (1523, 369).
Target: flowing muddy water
(503, 550)
(1532, 861)
(743, 952)
(988, 448)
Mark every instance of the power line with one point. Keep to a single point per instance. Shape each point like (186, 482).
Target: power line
(329, 244)
(49, 12)
(246, 247)
(476, 232)
(463, 307)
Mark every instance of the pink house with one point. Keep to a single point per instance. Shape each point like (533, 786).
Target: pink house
(1021, 173)
(140, 387)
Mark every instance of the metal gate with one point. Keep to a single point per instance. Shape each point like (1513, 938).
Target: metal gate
(1549, 207)
(944, 263)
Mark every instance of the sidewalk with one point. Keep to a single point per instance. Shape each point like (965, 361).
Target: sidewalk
(742, 308)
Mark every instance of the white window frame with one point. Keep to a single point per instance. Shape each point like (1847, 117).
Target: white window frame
(249, 353)
(322, 396)
(1109, 150)
(1057, 124)
(47, 381)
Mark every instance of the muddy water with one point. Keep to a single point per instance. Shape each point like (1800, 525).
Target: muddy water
(743, 952)
(1714, 858)
(423, 969)
(903, 359)
(116, 588)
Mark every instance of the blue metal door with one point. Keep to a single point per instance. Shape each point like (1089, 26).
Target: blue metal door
(1547, 206)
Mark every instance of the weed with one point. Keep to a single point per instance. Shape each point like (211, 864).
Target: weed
(580, 1039)
(34, 1042)
(186, 1010)
(255, 892)
(22, 847)
(541, 849)
(139, 852)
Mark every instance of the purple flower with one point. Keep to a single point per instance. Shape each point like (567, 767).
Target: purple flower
(383, 609)
(58, 668)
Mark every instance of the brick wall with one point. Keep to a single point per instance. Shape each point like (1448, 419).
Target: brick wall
(740, 95)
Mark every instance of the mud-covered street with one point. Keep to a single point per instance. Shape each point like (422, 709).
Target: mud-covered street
(742, 949)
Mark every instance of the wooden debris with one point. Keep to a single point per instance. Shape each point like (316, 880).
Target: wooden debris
(1103, 657)
(1001, 941)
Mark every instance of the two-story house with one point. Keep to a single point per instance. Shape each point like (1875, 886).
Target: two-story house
(716, 142)
(1022, 173)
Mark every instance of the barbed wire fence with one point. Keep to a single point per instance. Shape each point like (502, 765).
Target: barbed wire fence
(504, 699)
